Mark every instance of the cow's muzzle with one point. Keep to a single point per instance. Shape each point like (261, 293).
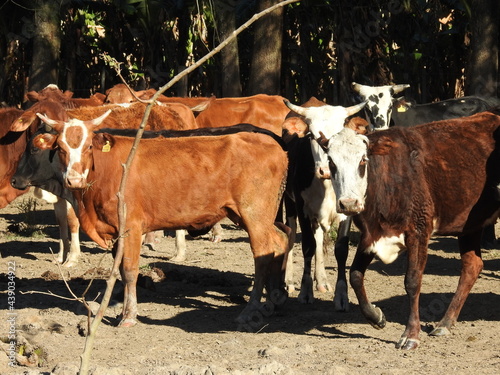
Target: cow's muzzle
(350, 206)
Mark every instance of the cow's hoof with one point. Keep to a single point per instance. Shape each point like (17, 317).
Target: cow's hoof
(305, 297)
(290, 288)
(127, 323)
(405, 343)
(178, 259)
(440, 331)
(323, 288)
(377, 320)
(70, 263)
(215, 239)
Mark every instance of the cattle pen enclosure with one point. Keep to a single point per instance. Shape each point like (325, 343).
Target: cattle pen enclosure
(187, 311)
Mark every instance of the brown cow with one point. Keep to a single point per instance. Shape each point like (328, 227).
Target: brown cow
(12, 145)
(264, 111)
(404, 185)
(52, 92)
(172, 185)
(175, 116)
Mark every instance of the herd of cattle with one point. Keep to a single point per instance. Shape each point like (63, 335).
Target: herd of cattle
(251, 159)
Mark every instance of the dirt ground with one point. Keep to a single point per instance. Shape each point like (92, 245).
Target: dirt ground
(187, 311)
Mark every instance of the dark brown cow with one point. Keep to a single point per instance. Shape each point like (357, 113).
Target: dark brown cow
(404, 185)
(173, 185)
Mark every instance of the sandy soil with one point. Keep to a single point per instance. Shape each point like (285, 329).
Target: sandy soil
(187, 311)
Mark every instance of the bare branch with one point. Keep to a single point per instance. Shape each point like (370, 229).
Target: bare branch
(85, 357)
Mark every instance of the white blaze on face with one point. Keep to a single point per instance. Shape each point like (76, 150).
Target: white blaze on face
(347, 152)
(74, 140)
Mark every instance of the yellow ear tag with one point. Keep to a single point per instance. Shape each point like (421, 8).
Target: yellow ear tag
(41, 140)
(402, 109)
(106, 147)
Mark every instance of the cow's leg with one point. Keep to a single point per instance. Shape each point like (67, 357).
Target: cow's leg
(180, 246)
(320, 277)
(291, 222)
(129, 270)
(362, 260)
(269, 248)
(61, 213)
(417, 259)
(341, 299)
(306, 294)
(216, 233)
(74, 229)
(152, 238)
(472, 264)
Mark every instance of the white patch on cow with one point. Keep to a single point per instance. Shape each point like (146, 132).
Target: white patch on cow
(75, 154)
(327, 119)
(387, 249)
(45, 195)
(379, 104)
(319, 203)
(124, 105)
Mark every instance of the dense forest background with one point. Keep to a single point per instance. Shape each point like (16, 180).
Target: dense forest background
(442, 48)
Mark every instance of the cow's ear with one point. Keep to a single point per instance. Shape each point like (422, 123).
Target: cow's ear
(23, 122)
(99, 96)
(103, 142)
(382, 146)
(358, 124)
(33, 96)
(295, 125)
(45, 141)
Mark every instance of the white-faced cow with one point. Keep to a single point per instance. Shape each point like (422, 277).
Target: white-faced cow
(173, 183)
(310, 189)
(404, 185)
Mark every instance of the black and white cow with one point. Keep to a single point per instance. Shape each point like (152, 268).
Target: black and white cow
(383, 109)
(404, 185)
(379, 102)
(311, 199)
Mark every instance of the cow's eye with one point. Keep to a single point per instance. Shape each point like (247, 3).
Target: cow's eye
(333, 168)
(363, 161)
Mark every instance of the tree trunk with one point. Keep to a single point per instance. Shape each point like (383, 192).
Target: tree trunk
(266, 59)
(481, 79)
(46, 45)
(225, 16)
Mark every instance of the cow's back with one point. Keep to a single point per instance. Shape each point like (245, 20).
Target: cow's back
(163, 116)
(264, 111)
(173, 180)
(434, 171)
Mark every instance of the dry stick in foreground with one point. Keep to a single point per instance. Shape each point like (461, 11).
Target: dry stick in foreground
(122, 209)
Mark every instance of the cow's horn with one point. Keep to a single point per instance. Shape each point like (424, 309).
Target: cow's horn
(356, 87)
(398, 88)
(355, 108)
(297, 109)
